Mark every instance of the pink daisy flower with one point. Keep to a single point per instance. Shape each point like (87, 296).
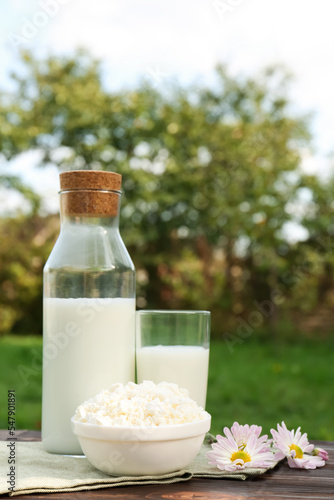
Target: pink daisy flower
(321, 453)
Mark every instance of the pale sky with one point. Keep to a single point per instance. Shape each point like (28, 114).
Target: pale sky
(182, 40)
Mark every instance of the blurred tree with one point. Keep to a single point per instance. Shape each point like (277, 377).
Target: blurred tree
(312, 280)
(210, 175)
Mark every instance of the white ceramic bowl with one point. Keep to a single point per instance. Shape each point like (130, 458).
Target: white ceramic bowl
(136, 451)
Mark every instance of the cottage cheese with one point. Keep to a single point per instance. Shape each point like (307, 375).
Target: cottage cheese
(140, 405)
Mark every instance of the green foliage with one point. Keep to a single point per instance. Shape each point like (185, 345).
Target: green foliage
(211, 177)
(14, 183)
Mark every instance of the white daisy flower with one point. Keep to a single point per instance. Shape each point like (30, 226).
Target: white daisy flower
(242, 433)
(295, 446)
(227, 455)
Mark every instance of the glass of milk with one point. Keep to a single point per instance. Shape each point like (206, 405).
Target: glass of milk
(173, 346)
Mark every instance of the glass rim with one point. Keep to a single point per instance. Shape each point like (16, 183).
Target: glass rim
(173, 311)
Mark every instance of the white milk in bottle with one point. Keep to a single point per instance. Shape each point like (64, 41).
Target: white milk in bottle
(88, 306)
(88, 346)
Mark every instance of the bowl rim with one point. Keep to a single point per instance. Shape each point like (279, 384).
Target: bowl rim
(145, 433)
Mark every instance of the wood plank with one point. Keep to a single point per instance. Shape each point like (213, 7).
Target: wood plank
(280, 483)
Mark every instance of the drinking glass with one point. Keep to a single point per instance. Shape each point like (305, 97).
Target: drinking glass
(173, 346)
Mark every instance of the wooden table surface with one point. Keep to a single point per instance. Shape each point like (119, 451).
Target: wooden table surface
(282, 482)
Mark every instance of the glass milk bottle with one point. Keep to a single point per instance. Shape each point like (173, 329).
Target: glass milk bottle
(88, 305)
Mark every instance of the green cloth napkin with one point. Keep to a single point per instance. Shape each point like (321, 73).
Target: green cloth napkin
(37, 471)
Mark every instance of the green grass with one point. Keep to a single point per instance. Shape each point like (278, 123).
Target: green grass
(264, 383)
(258, 383)
(20, 361)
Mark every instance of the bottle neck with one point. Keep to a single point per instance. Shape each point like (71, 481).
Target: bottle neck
(110, 222)
(90, 208)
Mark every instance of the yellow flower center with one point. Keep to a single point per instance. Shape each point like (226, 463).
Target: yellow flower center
(240, 455)
(298, 450)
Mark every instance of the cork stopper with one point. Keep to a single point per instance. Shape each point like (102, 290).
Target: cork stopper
(90, 179)
(90, 193)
